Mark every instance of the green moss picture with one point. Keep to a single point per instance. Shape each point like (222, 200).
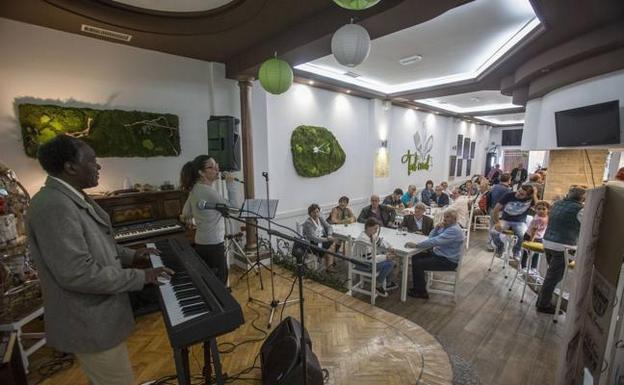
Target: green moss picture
(111, 133)
(315, 151)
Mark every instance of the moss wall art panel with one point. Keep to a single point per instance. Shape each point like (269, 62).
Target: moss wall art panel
(315, 151)
(111, 133)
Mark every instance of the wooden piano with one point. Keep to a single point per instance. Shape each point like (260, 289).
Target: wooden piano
(145, 217)
(142, 217)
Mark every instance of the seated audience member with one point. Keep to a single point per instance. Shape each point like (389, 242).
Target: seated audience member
(418, 222)
(461, 204)
(440, 199)
(538, 187)
(496, 193)
(394, 199)
(384, 265)
(620, 175)
(383, 214)
(342, 214)
(482, 198)
(514, 207)
(469, 188)
(564, 225)
(409, 199)
(535, 233)
(427, 193)
(445, 246)
(445, 188)
(318, 231)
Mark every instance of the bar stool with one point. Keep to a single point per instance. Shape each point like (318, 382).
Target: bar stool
(568, 254)
(531, 248)
(509, 241)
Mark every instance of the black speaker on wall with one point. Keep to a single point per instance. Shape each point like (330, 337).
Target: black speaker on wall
(224, 142)
(280, 356)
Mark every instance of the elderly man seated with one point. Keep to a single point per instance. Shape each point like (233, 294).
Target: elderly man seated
(445, 246)
(461, 204)
(383, 214)
(394, 199)
(418, 222)
(410, 198)
(440, 199)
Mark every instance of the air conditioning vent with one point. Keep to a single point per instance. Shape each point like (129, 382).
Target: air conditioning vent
(106, 33)
(352, 74)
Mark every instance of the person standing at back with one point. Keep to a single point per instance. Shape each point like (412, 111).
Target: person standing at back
(198, 177)
(81, 269)
(564, 225)
(518, 176)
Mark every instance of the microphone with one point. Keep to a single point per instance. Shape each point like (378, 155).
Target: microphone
(235, 179)
(220, 207)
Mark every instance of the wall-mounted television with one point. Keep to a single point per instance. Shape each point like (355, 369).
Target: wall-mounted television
(598, 124)
(511, 137)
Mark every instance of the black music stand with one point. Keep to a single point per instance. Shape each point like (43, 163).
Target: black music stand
(264, 209)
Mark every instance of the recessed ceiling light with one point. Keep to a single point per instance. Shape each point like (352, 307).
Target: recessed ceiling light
(348, 91)
(410, 60)
(310, 82)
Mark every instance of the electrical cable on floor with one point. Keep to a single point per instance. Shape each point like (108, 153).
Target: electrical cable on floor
(233, 346)
(292, 288)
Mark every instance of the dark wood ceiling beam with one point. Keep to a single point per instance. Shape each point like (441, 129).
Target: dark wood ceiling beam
(311, 39)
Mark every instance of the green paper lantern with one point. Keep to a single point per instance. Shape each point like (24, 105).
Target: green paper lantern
(275, 76)
(356, 5)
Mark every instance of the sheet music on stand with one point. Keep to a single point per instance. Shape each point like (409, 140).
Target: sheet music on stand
(259, 208)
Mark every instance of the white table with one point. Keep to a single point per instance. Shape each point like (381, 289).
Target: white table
(350, 232)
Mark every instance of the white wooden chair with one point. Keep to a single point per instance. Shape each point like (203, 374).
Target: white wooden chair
(359, 277)
(312, 261)
(569, 254)
(466, 226)
(452, 283)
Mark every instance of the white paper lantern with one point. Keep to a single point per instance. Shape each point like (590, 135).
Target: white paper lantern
(351, 45)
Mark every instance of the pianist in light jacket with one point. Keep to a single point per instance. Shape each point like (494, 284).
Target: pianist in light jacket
(80, 267)
(198, 177)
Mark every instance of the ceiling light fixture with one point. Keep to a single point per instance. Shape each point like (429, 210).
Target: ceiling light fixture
(348, 91)
(352, 74)
(351, 45)
(410, 60)
(311, 82)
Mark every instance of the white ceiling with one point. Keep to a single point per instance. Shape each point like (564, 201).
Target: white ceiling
(471, 102)
(457, 45)
(504, 119)
(176, 5)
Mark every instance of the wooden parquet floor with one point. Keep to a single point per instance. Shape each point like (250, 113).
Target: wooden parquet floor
(356, 342)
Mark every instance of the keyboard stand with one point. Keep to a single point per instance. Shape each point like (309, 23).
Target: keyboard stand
(211, 358)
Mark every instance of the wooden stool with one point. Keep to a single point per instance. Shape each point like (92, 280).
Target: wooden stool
(568, 253)
(509, 241)
(531, 248)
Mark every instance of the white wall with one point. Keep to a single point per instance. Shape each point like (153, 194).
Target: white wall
(59, 67)
(539, 126)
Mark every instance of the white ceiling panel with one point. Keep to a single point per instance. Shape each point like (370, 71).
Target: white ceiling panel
(457, 45)
(504, 119)
(471, 102)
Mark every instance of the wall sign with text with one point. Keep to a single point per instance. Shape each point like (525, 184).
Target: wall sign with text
(421, 158)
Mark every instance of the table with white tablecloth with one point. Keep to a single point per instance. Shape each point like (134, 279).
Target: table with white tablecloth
(395, 238)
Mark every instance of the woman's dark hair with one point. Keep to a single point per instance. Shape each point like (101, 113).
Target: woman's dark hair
(398, 191)
(370, 222)
(429, 182)
(54, 153)
(343, 198)
(313, 207)
(190, 172)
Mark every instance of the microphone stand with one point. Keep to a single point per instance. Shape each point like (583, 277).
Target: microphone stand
(274, 303)
(300, 249)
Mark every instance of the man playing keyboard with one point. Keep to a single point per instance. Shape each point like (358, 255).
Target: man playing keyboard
(85, 286)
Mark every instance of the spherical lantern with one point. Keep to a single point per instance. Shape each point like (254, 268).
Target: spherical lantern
(356, 5)
(275, 76)
(351, 45)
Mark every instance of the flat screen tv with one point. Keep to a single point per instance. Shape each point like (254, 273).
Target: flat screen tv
(598, 124)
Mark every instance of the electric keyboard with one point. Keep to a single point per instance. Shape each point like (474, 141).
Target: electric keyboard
(197, 306)
(147, 230)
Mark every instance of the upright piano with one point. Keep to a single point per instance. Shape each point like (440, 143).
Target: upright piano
(139, 217)
(143, 217)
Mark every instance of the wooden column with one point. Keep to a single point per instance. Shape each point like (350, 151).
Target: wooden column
(248, 170)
